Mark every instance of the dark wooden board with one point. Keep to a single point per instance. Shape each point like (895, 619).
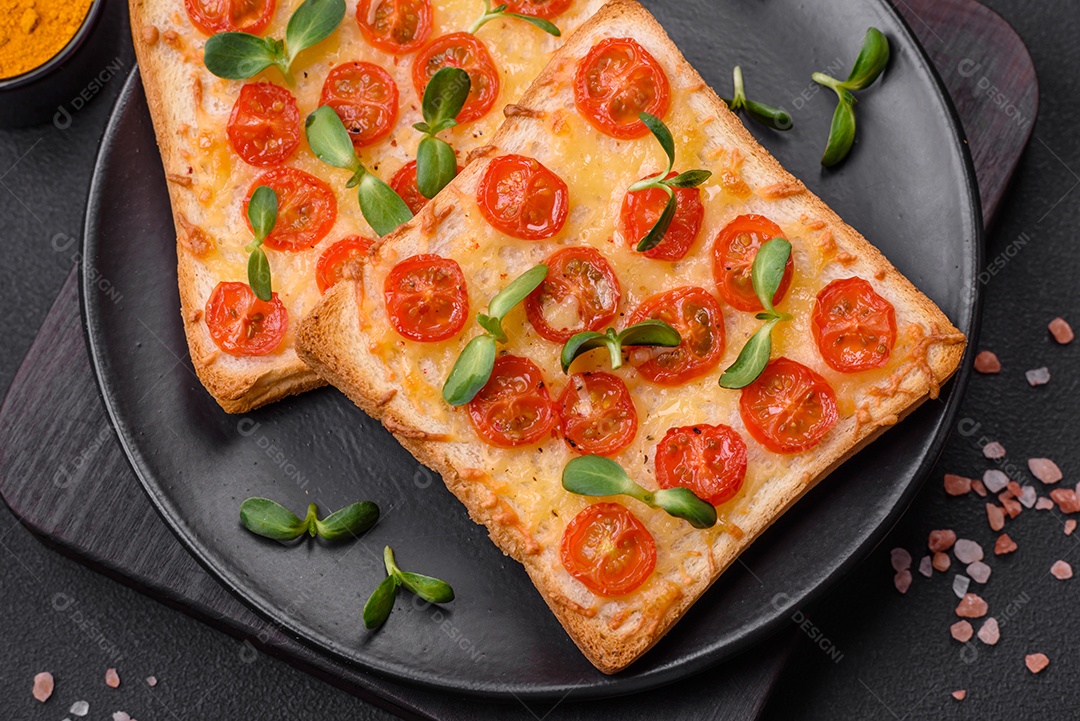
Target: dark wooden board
(53, 404)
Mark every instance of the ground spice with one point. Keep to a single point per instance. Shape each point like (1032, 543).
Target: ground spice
(33, 31)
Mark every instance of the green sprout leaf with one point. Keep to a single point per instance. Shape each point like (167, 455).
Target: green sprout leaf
(312, 23)
(271, 520)
(428, 588)
(581, 343)
(682, 503)
(517, 291)
(262, 211)
(660, 228)
(348, 522)
(689, 179)
(471, 371)
(650, 332)
(646, 333)
(490, 14)
(767, 271)
(238, 56)
(841, 133)
(436, 166)
(662, 135)
(380, 603)
(329, 140)
(444, 97)
(752, 359)
(259, 274)
(871, 62)
(383, 209)
(765, 114)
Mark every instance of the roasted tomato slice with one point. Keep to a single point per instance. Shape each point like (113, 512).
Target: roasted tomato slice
(219, 16)
(404, 184)
(709, 460)
(615, 82)
(242, 325)
(597, 413)
(855, 328)
(395, 26)
(698, 318)
(642, 208)
(341, 260)
(522, 198)
(580, 293)
(514, 408)
(264, 127)
(539, 8)
(789, 408)
(307, 208)
(460, 50)
(608, 549)
(365, 97)
(733, 257)
(426, 298)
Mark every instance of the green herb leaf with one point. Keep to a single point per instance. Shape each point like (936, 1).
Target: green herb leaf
(660, 228)
(259, 274)
(383, 209)
(471, 371)
(581, 343)
(688, 179)
(271, 520)
(752, 358)
(546, 25)
(444, 97)
(767, 271)
(238, 56)
(650, 332)
(430, 589)
(662, 135)
(872, 60)
(312, 23)
(682, 503)
(436, 165)
(262, 212)
(380, 603)
(842, 132)
(598, 476)
(329, 140)
(348, 522)
(768, 116)
(517, 291)
(646, 333)
(491, 14)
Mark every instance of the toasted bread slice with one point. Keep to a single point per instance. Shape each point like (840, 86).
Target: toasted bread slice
(516, 492)
(208, 182)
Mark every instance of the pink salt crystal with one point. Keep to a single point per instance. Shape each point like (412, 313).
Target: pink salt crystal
(1027, 498)
(959, 694)
(996, 516)
(995, 480)
(1061, 330)
(987, 362)
(978, 487)
(1011, 505)
(960, 585)
(942, 562)
(968, 551)
(1036, 662)
(956, 485)
(961, 631)
(121, 716)
(901, 559)
(971, 606)
(1066, 500)
(151, 681)
(1014, 488)
(902, 581)
(1045, 470)
(1037, 376)
(1061, 570)
(941, 540)
(979, 572)
(112, 679)
(1070, 526)
(43, 686)
(990, 632)
(1004, 545)
(1043, 504)
(926, 567)
(994, 450)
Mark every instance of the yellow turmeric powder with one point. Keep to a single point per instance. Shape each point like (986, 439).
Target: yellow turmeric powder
(33, 31)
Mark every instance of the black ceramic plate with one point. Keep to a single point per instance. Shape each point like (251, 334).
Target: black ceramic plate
(908, 186)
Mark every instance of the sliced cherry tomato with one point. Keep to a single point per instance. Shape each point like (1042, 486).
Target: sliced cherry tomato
(709, 460)
(264, 127)
(580, 293)
(855, 328)
(598, 414)
(538, 8)
(404, 184)
(426, 298)
(642, 208)
(608, 549)
(465, 51)
(514, 408)
(615, 82)
(522, 198)
(789, 408)
(395, 26)
(365, 97)
(242, 325)
(219, 16)
(698, 318)
(307, 208)
(341, 260)
(733, 257)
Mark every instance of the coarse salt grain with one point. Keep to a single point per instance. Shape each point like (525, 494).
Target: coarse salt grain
(121, 716)
(151, 681)
(1043, 504)
(1070, 526)
(961, 631)
(994, 450)
(43, 686)
(941, 540)
(902, 581)
(987, 362)
(978, 487)
(1027, 498)
(979, 572)
(990, 632)
(959, 694)
(1061, 330)
(1061, 570)
(112, 679)
(960, 585)
(942, 562)
(1011, 505)
(995, 480)
(1045, 470)
(926, 566)
(1038, 376)
(1004, 545)
(80, 708)
(995, 516)
(971, 606)
(901, 559)
(967, 551)
(956, 485)
(1066, 499)
(1036, 662)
